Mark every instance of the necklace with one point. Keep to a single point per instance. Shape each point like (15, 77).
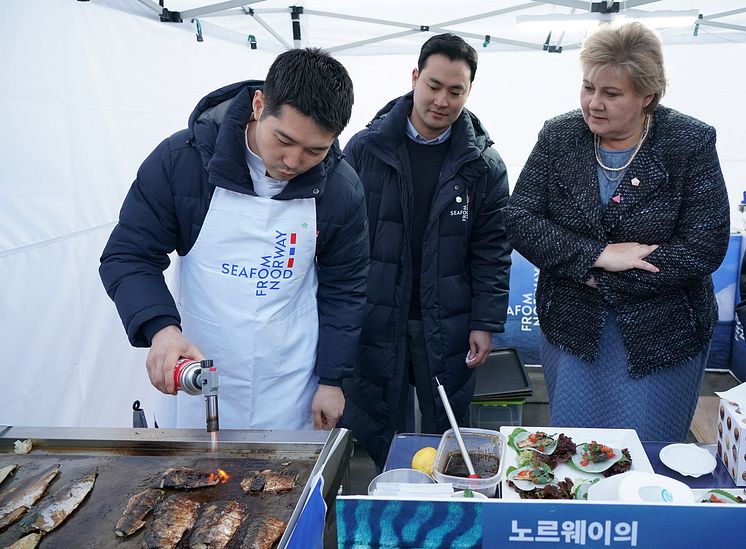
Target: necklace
(613, 179)
(596, 145)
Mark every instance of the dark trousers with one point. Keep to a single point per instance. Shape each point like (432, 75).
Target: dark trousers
(417, 371)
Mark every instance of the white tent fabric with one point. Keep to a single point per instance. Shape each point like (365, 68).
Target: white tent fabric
(89, 88)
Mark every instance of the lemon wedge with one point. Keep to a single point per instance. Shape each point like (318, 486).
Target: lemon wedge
(424, 459)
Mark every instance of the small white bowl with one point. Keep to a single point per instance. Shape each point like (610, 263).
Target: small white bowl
(404, 476)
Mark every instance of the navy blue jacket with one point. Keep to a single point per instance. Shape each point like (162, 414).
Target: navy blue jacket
(167, 204)
(464, 275)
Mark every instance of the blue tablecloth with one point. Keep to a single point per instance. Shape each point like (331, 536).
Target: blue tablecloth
(404, 446)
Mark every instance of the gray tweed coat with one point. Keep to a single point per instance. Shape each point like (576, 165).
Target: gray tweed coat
(555, 220)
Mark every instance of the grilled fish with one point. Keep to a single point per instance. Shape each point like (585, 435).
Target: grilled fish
(263, 533)
(216, 525)
(270, 481)
(137, 509)
(279, 481)
(254, 481)
(27, 542)
(22, 495)
(5, 472)
(54, 512)
(183, 478)
(172, 518)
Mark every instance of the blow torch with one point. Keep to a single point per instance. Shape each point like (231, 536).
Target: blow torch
(200, 377)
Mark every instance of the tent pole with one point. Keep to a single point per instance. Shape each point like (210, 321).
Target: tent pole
(371, 40)
(214, 8)
(295, 12)
(268, 28)
(152, 5)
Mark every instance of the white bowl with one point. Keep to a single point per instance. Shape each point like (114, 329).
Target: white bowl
(606, 489)
(403, 476)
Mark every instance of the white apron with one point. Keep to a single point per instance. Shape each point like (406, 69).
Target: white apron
(247, 299)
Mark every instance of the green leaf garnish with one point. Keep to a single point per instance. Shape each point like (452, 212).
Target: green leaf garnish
(525, 457)
(511, 438)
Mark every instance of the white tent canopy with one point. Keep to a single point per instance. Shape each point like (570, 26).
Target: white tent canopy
(89, 88)
(386, 26)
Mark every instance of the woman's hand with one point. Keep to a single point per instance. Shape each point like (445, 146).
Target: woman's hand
(624, 256)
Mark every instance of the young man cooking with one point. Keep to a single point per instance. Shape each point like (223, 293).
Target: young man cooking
(270, 225)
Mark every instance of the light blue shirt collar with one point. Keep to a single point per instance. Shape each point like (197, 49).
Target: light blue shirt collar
(417, 138)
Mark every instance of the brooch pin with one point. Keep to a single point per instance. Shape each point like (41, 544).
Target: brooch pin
(635, 182)
(617, 198)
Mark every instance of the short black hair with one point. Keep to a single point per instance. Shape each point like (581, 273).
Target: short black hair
(452, 46)
(313, 82)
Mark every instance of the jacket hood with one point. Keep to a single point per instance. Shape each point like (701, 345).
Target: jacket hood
(389, 124)
(208, 115)
(217, 130)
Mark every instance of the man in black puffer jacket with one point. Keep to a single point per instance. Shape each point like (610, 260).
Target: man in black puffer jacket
(440, 259)
(270, 225)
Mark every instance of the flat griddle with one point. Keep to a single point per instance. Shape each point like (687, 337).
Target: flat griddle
(129, 460)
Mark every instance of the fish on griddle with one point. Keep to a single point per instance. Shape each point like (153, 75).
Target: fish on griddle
(263, 533)
(30, 541)
(184, 478)
(54, 512)
(171, 520)
(254, 481)
(21, 496)
(137, 509)
(269, 480)
(5, 472)
(280, 481)
(216, 525)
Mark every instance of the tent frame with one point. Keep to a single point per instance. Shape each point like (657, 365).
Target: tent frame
(228, 7)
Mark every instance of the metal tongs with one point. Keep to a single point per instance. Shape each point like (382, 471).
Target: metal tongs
(456, 431)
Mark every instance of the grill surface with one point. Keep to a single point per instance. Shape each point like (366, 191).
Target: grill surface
(124, 471)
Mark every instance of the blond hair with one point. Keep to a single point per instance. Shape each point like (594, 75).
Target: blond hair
(635, 51)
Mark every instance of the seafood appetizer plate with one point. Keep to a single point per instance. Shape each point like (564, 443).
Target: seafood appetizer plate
(577, 468)
(731, 496)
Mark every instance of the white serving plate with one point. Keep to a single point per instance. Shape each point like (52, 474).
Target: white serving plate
(615, 438)
(688, 459)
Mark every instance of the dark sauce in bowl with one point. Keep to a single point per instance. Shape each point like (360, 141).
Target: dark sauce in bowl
(485, 465)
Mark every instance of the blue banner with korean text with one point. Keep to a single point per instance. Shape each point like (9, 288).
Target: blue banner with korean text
(522, 326)
(364, 522)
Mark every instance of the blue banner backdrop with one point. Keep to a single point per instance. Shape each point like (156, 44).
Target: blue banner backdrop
(522, 327)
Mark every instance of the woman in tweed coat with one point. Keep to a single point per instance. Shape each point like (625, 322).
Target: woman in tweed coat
(623, 208)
